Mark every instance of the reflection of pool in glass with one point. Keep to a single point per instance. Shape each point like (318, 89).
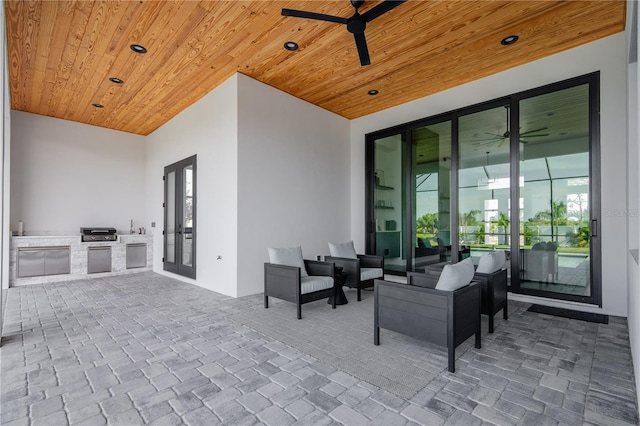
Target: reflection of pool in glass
(571, 260)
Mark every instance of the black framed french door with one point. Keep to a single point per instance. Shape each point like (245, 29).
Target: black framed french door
(180, 218)
(519, 174)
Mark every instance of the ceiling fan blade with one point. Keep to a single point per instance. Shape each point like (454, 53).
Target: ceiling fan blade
(313, 15)
(378, 10)
(487, 139)
(533, 131)
(484, 143)
(534, 136)
(363, 51)
(495, 135)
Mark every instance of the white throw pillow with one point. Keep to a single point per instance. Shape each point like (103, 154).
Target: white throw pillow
(468, 269)
(343, 250)
(491, 262)
(487, 263)
(500, 258)
(290, 256)
(456, 276)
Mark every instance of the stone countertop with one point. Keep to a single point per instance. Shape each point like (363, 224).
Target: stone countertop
(76, 238)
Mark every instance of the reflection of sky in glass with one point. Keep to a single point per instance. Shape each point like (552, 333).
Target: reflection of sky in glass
(535, 169)
(426, 194)
(572, 165)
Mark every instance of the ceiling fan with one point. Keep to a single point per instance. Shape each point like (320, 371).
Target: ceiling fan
(501, 138)
(355, 25)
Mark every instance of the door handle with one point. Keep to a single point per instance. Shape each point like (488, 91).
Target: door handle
(594, 227)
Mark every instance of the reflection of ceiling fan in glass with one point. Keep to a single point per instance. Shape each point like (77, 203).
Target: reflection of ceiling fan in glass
(501, 138)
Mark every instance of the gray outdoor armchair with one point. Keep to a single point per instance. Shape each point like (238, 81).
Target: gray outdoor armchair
(492, 277)
(442, 317)
(361, 269)
(289, 277)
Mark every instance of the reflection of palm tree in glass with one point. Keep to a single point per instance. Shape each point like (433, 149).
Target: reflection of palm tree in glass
(427, 224)
(558, 212)
(503, 221)
(469, 219)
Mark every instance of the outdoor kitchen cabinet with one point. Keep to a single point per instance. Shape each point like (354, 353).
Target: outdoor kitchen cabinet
(40, 261)
(136, 255)
(98, 259)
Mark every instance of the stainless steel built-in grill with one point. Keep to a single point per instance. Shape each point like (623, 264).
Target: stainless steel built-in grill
(98, 234)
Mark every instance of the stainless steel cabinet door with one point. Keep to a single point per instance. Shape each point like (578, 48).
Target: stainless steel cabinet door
(98, 259)
(57, 261)
(30, 262)
(136, 255)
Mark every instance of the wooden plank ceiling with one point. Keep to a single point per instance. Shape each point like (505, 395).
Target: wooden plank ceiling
(62, 53)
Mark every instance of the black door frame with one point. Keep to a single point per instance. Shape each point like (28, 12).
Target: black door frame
(593, 80)
(177, 266)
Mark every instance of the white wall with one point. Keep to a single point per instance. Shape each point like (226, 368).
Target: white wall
(207, 129)
(5, 166)
(607, 55)
(66, 175)
(633, 185)
(293, 178)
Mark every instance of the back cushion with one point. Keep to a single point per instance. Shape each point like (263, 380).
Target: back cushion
(343, 250)
(491, 262)
(456, 276)
(289, 256)
(500, 258)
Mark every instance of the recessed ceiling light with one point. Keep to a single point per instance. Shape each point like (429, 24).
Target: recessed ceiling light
(138, 48)
(291, 45)
(372, 92)
(98, 105)
(116, 80)
(509, 40)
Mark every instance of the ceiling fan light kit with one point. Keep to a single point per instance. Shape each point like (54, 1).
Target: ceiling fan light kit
(356, 24)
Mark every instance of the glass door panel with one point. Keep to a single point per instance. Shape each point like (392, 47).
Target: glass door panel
(170, 208)
(388, 202)
(187, 220)
(484, 182)
(555, 254)
(431, 189)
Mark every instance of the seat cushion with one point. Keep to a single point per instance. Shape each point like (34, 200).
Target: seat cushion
(313, 283)
(343, 250)
(370, 273)
(289, 256)
(456, 276)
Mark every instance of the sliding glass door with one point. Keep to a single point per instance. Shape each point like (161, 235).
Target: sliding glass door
(386, 236)
(431, 193)
(556, 229)
(518, 174)
(484, 182)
